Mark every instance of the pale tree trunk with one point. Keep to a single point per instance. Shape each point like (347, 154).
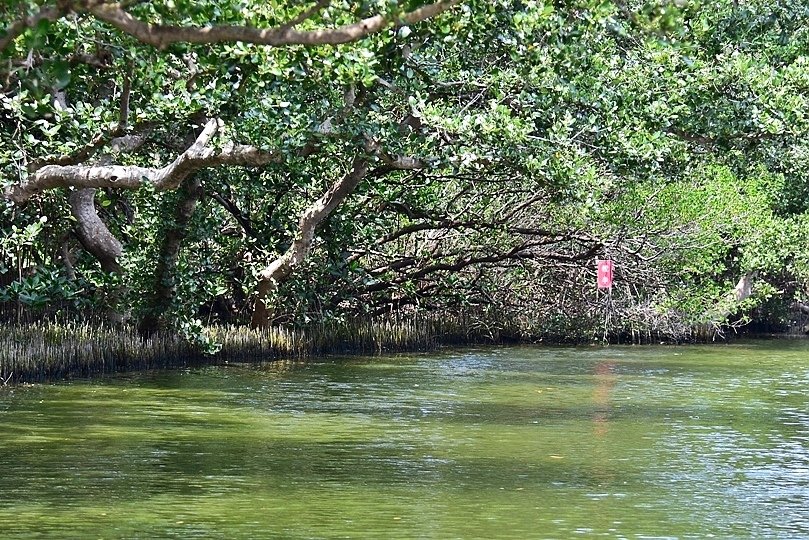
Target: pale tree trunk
(199, 155)
(284, 34)
(728, 305)
(744, 288)
(282, 267)
(93, 233)
(96, 238)
(165, 278)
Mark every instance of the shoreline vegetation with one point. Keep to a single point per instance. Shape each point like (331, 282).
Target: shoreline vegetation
(48, 351)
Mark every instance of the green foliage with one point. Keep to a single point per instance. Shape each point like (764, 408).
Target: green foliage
(668, 135)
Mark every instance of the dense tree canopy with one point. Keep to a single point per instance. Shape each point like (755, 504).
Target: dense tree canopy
(166, 161)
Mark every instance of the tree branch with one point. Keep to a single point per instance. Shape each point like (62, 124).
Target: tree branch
(16, 28)
(165, 276)
(161, 36)
(198, 156)
(88, 150)
(233, 209)
(93, 233)
(282, 267)
(307, 14)
(313, 215)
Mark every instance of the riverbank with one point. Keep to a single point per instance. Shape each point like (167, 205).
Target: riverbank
(49, 351)
(46, 351)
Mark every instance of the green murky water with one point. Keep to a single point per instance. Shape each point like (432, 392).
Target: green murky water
(616, 442)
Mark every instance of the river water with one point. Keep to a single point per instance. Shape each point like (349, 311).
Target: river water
(525, 442)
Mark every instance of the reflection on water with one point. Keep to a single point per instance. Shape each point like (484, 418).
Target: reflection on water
(673, 442)
(604, 381)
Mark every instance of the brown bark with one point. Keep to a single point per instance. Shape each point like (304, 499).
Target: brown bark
(282, 267)
(165, 278)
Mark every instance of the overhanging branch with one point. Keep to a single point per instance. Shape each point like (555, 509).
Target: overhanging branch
(116, 15)
(279, 269)
(161, 36)
(16, 28)
(198, 156)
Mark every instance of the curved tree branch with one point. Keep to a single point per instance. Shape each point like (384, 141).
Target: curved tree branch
(315, 213)
(16, 28)
(93, 233)
(161, 36)
(282, 267)
(198, 156)
(410, 271)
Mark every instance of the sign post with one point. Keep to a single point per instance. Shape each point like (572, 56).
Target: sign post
(604, 274)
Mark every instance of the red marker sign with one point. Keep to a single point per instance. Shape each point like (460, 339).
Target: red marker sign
(605, 274)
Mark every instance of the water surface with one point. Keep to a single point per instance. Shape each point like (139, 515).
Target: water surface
(528, 442)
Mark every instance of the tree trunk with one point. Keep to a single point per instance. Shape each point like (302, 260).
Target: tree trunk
(93, 233)
(96, 238)
(165, 277)
(728, 305)
(282, 267)
(744, 288)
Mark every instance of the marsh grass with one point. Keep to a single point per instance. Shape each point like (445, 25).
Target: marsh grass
(48, 351)
(44, 351)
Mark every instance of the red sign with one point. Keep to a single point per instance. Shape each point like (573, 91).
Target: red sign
(605, 274)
